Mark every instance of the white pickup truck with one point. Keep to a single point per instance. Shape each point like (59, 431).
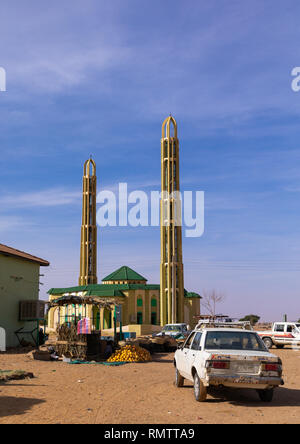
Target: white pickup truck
(227, 357)
(282, 333)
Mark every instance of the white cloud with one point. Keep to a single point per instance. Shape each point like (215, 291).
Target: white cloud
(12, 223)
(67, 70)
(292, 189)
(44, 198)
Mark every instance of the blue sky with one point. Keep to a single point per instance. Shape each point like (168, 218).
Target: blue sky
(97, 77)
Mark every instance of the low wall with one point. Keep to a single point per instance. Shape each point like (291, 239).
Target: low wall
(140, 330)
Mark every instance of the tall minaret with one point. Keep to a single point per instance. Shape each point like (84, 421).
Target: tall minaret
(171, 273)
(88, 251)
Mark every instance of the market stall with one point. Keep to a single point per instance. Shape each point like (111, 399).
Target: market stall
(78, 332)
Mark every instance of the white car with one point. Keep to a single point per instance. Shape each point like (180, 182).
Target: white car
(173, 330)
(227, 357)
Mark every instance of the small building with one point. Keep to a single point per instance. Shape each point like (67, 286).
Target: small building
(139, 301)
(19, 281)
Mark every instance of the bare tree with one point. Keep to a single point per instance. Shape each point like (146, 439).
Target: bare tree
(210, 299)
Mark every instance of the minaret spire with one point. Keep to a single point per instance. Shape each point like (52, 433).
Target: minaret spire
(88, 251)
(171, 275)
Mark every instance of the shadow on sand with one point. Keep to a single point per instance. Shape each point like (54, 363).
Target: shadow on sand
(12, 405)
(283, 397)
(162, 358)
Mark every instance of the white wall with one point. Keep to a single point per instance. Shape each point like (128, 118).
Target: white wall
(2, 340)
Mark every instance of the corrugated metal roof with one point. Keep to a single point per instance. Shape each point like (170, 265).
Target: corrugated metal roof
(8, 251)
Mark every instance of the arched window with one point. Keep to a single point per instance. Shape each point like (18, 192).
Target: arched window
(153, 302)
(140, 302)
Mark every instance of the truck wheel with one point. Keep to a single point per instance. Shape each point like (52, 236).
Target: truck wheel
(200, 391)
(268, 342)
(179, 380)
(266, 395)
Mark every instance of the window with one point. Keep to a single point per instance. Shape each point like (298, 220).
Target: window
(189, 341)
(196, 342)
(279, 327)
(153, 302)
(224, 340)
(173, 328)
(140, 302)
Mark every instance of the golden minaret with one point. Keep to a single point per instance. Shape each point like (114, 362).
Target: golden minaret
(88, 251)
(171, 272)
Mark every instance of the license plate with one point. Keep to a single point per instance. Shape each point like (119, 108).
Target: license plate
(251, 369)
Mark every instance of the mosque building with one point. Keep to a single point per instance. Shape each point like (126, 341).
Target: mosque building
(139, 300)
(143, 308)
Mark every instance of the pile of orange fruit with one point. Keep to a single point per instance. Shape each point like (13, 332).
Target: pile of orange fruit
(130, 353)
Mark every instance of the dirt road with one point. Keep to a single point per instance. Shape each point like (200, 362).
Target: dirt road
(135, 393)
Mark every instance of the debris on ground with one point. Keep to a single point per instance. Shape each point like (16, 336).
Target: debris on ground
(111, 364)
(40, 355)
(44, 353)
(10, 375)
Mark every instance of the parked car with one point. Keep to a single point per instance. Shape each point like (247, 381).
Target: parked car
(282, 333)
(227, 357)
(174, 330)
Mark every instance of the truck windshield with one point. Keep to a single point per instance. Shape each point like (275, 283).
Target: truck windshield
(171, 328)
(227, 340)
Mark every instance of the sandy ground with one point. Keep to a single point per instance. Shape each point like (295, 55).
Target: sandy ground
(135, 393)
